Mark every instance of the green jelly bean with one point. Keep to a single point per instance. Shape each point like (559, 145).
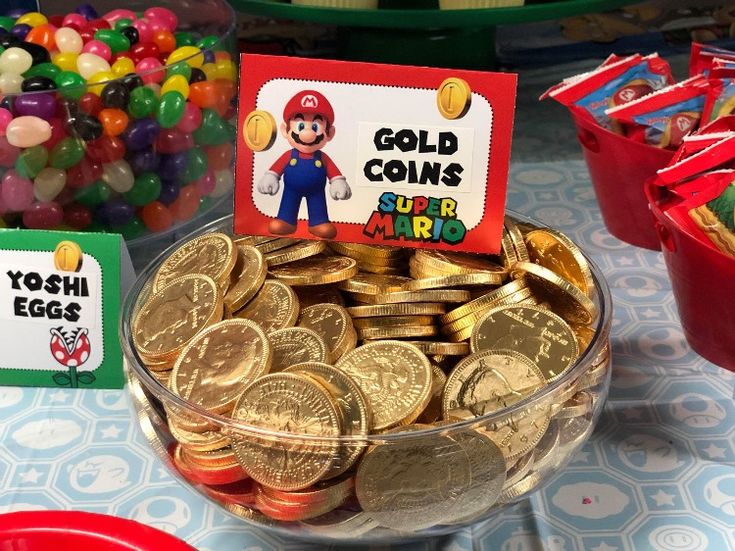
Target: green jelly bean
(70, 84)
(96, 227)
(123, 22)
(180, 68)
(31, 161)
(196, 164)
(147, 188)
(143, 102)
(7, 23)
(116, 40)
(170, 109)
(131, 230)
(67, 153)
(94, 194)
(213, 129)
(48, 70)
(184, 38)
(208, 42)
(205, 203)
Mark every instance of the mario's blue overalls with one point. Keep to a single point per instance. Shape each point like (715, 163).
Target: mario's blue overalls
(304, 178)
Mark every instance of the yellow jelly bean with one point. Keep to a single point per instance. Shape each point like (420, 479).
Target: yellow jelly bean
(123, 66)
(177, 83)
(32, 18)
(66, 61)
(209, 70)
(191, 54)
(102, 76)
(226, 69)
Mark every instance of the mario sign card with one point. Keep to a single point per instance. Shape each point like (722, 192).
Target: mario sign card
(376, 154)
(60, 298)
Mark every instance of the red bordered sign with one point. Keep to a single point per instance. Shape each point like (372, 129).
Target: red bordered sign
(376, 154)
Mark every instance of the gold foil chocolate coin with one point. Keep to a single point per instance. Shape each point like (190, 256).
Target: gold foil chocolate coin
(295, 345)
(333, 324)
(287, 404)
(559, 254)
(219, 362)
(316, 270)
(173, 315)
(211, 254)
(540, 335)
(249, 275)
(273, 308)
(394, 376)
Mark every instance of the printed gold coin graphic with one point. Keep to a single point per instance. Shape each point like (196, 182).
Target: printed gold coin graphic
(68, 256)
(453, 98)
(259, 130)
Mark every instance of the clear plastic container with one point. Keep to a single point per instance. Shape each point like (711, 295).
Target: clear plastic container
(420, 484)
(115, 160)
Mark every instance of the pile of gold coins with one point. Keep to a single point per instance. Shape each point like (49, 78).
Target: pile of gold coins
(368, 387)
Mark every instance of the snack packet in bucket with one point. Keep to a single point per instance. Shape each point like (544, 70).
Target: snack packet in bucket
(703, 56)
(667, 115)
(615, 82)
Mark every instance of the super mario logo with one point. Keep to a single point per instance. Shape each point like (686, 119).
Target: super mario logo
(418, 218)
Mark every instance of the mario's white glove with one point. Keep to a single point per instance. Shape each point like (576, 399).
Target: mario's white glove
(269, 183)
(338, 188)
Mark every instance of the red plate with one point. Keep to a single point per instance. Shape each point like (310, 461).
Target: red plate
(72, 531)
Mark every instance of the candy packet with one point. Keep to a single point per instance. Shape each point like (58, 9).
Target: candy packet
(616, 82)
(702, 57)
(668, 114)
(702, 158)
(720, 99)
(705, 209)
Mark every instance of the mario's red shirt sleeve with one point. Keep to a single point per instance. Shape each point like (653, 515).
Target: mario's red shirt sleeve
(332, 170)
(280, 165)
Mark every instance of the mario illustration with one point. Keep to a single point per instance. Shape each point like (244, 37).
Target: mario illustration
(308, 124)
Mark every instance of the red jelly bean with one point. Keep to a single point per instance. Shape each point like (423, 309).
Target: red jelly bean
(87, 33)
(106, 149)
(114, 121)
(86, 172)
(173, 140)
(219, 157)
(142, 50)
(99, 24)
(77, 216)
(186, 204)
(8, 153)
(58, 133)
(43, 216)
(56, 20)
(156, 216)
(90, 103)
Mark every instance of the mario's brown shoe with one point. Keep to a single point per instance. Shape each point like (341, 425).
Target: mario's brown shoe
(279, 227)
(325, 231)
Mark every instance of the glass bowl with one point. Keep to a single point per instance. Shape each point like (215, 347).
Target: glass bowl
(422, 482)
(114, 153)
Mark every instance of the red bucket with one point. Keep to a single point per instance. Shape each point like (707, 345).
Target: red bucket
(703, 281)
(72, 531)
(618, 168)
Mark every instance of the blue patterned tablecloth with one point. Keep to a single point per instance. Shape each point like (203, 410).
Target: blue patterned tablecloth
(658, 473)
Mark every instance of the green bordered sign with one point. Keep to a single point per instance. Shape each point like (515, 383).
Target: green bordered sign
(59, 306)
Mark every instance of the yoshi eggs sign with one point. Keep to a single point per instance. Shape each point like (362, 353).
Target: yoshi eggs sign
(376, 154)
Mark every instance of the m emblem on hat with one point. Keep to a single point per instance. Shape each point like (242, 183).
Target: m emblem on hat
(309, 100)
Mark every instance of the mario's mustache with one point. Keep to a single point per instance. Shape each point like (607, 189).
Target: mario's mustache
(317, 140)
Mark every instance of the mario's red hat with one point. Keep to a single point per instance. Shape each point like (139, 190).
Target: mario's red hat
(309, 102)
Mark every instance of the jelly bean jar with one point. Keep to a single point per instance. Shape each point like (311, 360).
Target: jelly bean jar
(116, 119)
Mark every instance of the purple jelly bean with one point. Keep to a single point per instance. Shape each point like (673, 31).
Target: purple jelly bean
(169, 192)
(21, 30)
(87, 11)
(145, 161)
(141, 134)
(173, 165)
(115, 213)
(208, 56)
(15, 13)
(42, 106)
